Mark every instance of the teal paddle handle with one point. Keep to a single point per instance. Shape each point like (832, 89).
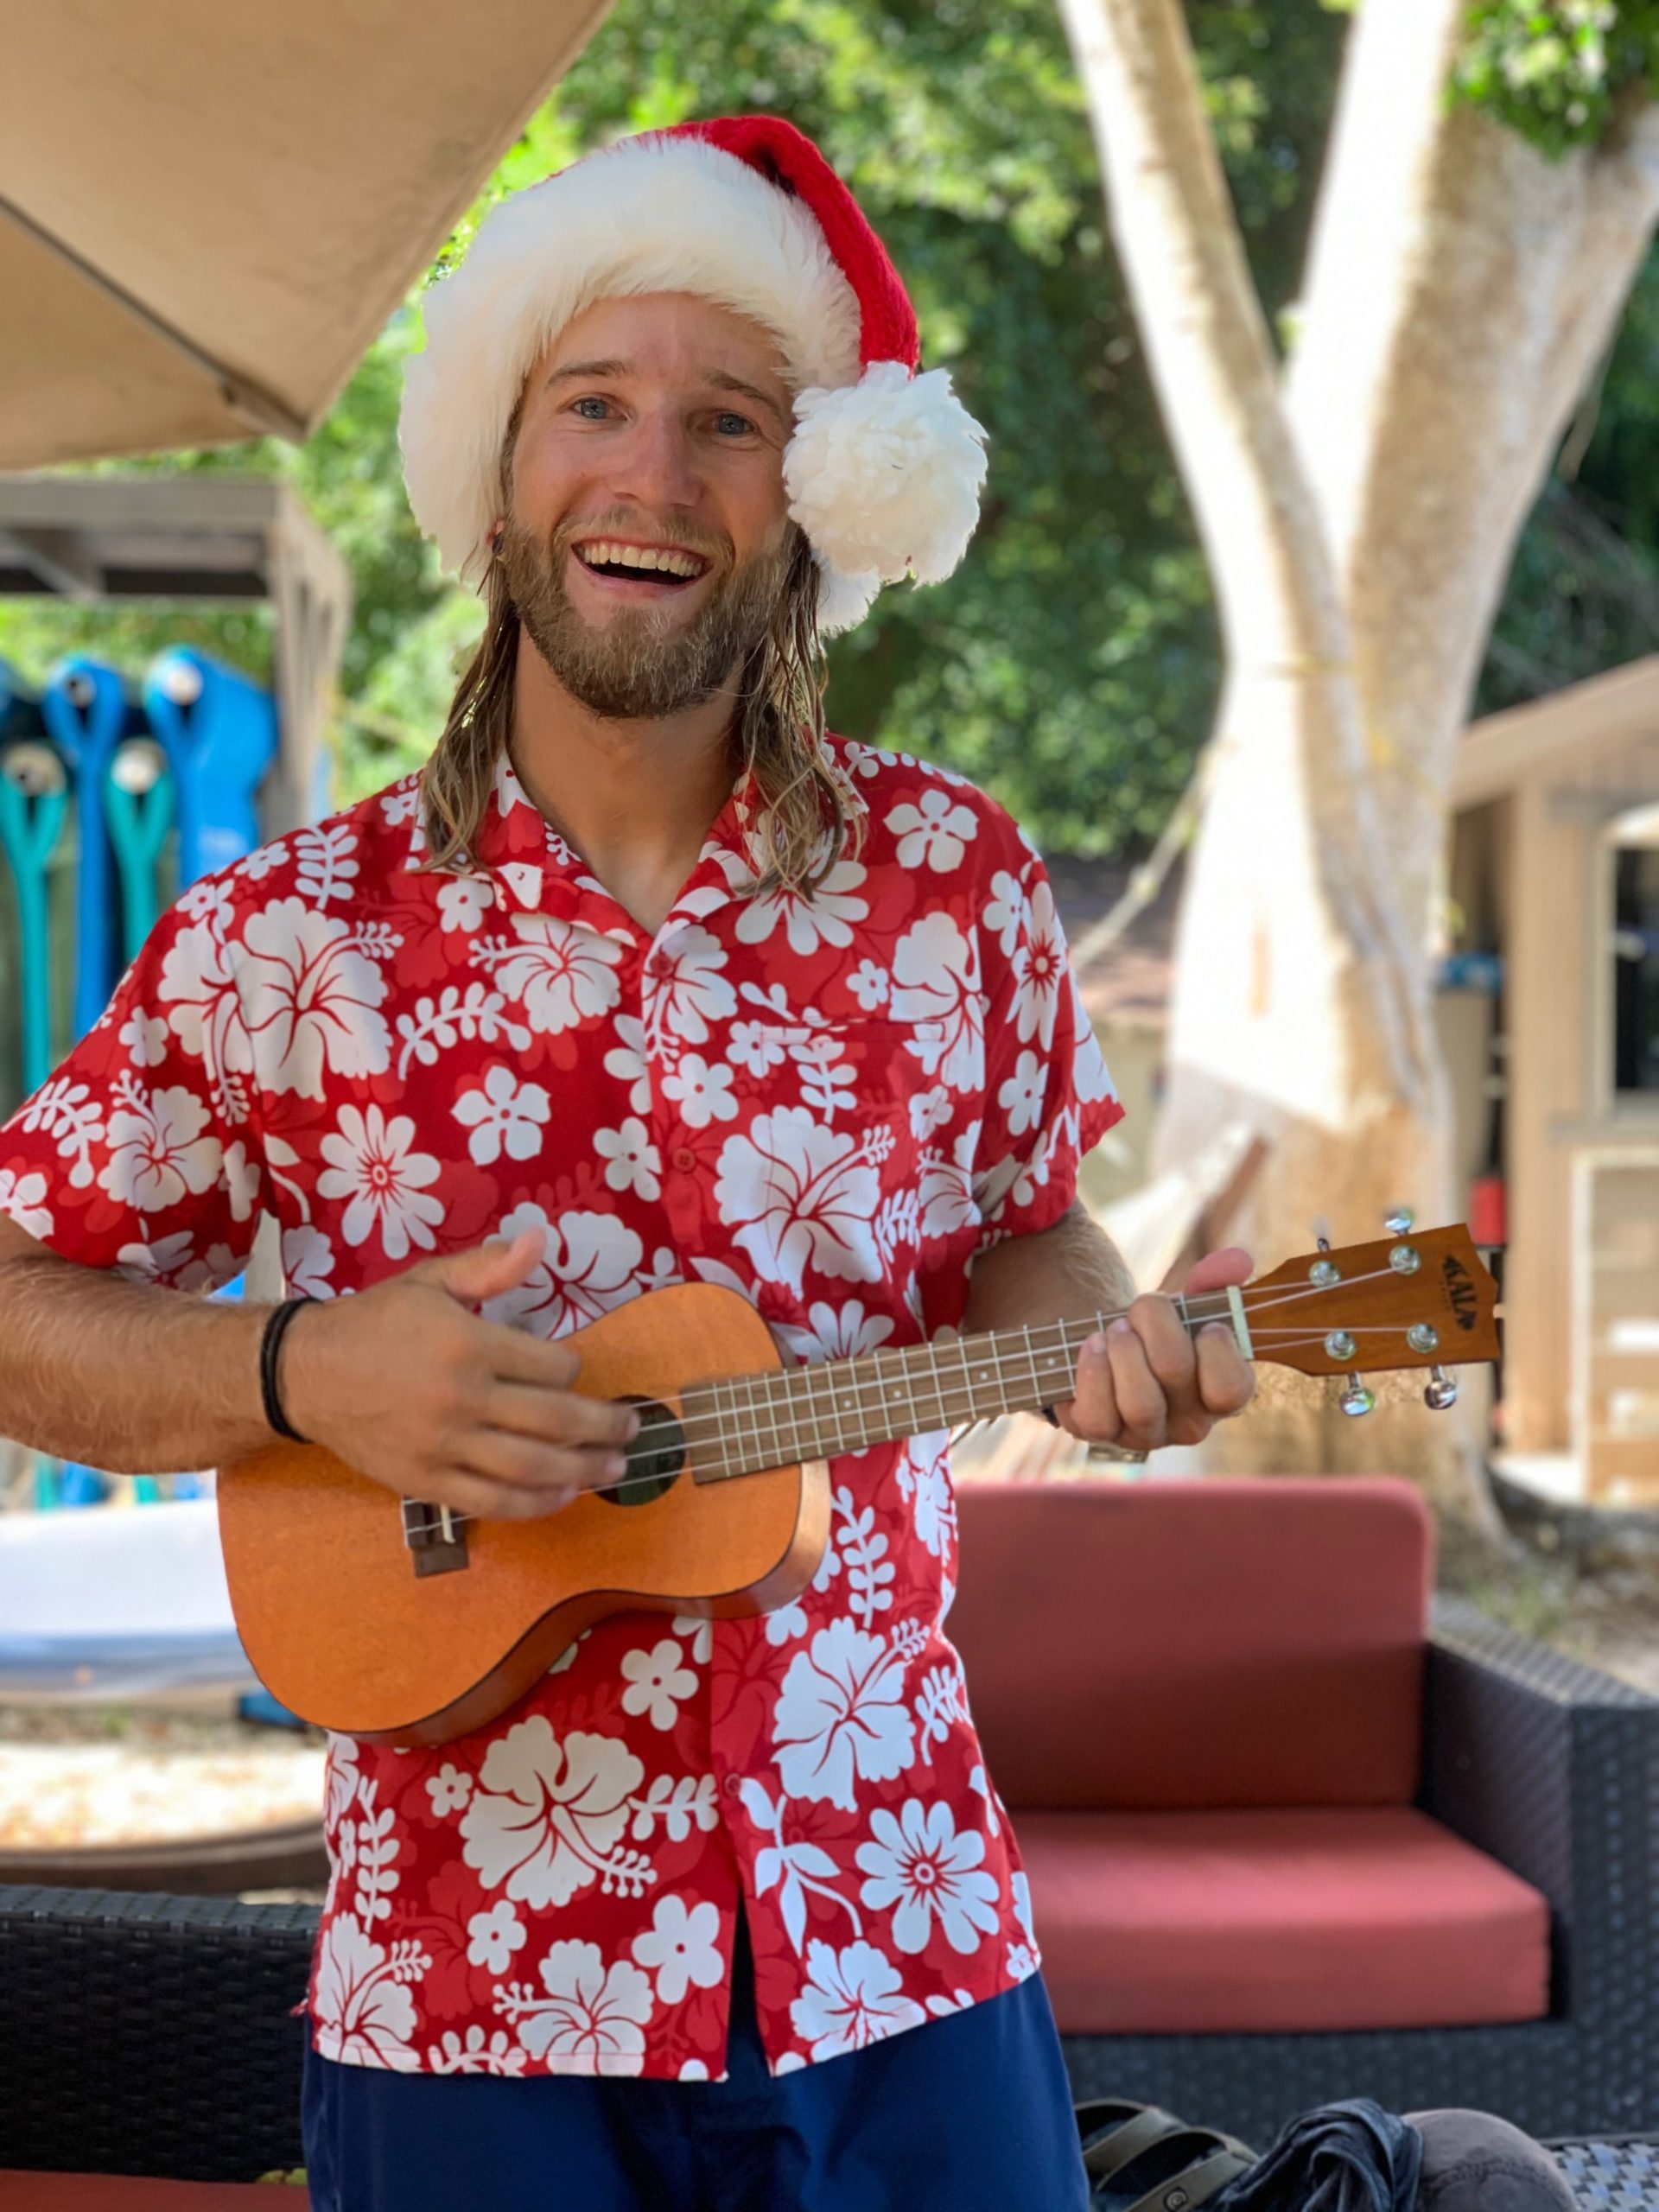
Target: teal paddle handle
(138, 823)
(30, 830)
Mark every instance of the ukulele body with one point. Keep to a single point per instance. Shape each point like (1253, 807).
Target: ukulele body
(343, 1629)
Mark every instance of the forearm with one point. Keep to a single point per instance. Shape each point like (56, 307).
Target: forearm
(125, 1376)
(1061, 1273)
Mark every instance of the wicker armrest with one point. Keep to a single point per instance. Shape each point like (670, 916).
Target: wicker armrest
(147, 2034)
(1553, 1767)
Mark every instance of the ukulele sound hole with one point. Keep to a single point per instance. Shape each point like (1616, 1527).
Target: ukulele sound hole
(656, 1456)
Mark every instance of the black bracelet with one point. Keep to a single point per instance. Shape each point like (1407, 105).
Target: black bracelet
(269, 1343)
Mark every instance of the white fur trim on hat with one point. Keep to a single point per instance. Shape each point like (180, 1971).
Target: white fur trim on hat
(647, 215)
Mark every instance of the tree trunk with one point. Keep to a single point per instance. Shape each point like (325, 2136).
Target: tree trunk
(1358, 520)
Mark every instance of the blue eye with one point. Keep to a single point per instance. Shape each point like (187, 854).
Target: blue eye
(601, 404)
(732, 425)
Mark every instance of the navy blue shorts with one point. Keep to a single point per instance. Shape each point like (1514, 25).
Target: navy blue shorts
(970, 2114)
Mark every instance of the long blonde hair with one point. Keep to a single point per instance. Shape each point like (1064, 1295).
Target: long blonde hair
(811, 818)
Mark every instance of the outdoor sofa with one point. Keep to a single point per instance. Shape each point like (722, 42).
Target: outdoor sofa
(1209, 1707)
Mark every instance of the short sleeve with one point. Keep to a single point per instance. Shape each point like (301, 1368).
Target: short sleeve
(139, 1154)
(1049, 1098)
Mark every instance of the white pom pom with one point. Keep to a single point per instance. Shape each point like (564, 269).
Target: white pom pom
(843, 601)
(884, 476)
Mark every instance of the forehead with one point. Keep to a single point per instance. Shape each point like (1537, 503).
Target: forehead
(672, 336)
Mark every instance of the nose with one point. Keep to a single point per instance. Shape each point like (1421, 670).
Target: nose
(656, 467)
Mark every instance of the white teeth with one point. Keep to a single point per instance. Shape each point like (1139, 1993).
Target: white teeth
(643, 557)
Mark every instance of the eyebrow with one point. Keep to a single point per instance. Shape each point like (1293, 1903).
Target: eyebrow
(721, 379)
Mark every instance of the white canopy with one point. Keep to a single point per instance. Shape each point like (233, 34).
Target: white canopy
(206, 213)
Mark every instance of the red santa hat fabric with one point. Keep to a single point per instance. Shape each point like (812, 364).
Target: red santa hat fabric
(885, 466)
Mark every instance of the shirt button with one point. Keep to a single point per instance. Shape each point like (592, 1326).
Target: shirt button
(684, 1158)
(733, 1785)
(658, 964)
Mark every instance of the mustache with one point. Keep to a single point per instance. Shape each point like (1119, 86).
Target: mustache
(651, 530)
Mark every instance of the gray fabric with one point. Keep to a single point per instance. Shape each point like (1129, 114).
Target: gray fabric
(1474, 2161)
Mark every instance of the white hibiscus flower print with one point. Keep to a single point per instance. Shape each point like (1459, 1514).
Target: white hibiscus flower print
(589, 1262)
(701, 1091)
(754, 1047)
(805, 1195)
(685, 989)
(242, 1177)
(842, 1716)
(825, 918)
(1089, 1074)
(1004, 913)
(22, 1197)
(493, 1937)
(463, 901)
(658, 1683)
(371, 1163)
(308, 1262)
(633, 1162)
(929, 1111)
(363, 2012)
(680, 1948)
(158, 1154)
(564, 975)
(835, 1332)
(450, 1789)
(923, 1477)
(548, 1815)
(922, 1871)
(869, 984)
(311, 1000)
(592, 2020)
(948, 1196)
(1040, 968)
(853, 1998)
(198, 992)
(1021, 1097)
(936, 985)
(145, 1039)
(627, 1062)
(504, 1115)
(452, 2054)
(935, 833)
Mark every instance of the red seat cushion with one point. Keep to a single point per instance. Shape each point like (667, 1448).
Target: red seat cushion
(1204, 1644)
(26, 2192)
(1172, 1922)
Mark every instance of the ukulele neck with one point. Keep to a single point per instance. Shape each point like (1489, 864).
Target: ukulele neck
(786, 1416)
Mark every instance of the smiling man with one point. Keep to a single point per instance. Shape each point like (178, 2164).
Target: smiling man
(644, 978)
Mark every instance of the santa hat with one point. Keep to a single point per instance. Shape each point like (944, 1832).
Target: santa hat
(885, 466)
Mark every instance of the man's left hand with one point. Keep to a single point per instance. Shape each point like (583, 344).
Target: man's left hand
(1143, 1381)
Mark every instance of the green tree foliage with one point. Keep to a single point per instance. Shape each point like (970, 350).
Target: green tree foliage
(1072, 664)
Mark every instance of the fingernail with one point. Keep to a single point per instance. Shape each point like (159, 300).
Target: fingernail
(616, 1464)
(633, 1427)
(1121, 1328)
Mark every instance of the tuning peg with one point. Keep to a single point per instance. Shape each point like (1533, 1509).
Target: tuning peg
(1356, 1399)
(1440, 1391)
(1399, 1221)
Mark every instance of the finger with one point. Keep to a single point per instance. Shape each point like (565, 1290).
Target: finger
(1141, 1402)
(514, 1356)
(476, 1498)
(557, 1416)
(524, 1461)
(1226, 1379)
(1215, 1270)
(485, 1270)
(1092, 1412)
(1168, 1345)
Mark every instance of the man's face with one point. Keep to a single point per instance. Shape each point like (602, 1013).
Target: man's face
(648, 537)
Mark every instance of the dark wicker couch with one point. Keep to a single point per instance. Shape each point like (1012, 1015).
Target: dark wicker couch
(143, 2034)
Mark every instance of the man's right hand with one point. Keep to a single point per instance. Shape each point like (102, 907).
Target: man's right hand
(409, 1385)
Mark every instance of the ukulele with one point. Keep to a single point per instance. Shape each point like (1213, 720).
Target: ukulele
(405, 1622)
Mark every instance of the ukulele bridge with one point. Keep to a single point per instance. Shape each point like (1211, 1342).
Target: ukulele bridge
(436, 1538)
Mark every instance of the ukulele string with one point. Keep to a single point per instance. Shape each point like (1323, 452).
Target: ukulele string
(596, 1489)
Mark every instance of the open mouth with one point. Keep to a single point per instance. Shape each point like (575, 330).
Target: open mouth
(659, 568)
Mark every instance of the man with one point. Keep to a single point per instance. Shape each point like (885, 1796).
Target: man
(644, 979)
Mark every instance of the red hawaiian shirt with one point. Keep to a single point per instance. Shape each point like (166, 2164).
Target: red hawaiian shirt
(830, 1105)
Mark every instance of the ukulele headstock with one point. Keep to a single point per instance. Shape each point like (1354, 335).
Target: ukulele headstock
(1421, 1298)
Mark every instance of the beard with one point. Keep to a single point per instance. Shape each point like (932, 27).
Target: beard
(647, 663)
